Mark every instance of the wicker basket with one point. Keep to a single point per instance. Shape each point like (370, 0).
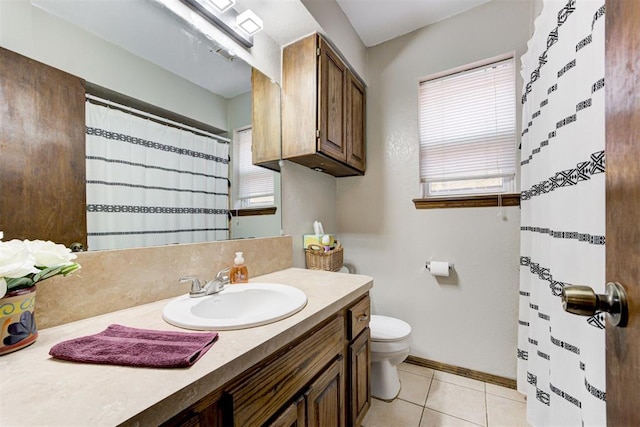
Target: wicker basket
(318, 259)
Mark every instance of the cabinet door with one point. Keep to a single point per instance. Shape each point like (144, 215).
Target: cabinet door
(42, 146)
(325, 398)
(356, 123)
(293, 416)
(332, 99)
(360, 374)
(265, 148)
(212, 411)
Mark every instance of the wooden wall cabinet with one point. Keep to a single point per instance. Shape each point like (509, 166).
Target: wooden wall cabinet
(323, 110)
(309, 382)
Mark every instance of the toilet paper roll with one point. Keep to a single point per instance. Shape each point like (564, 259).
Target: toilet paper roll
(439, 268)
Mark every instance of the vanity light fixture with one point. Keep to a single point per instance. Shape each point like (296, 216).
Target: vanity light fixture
(221, 5)
(249, 22)
(221, 14)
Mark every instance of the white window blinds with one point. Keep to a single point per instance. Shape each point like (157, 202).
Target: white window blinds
(467, 131)
(255, 186)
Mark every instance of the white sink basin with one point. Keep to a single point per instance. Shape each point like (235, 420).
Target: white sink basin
(236, 307)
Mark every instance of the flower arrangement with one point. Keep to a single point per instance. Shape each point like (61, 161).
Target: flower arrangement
(23, 263)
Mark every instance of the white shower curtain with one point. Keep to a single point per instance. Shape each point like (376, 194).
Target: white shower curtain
(561, 357)
(151, 184)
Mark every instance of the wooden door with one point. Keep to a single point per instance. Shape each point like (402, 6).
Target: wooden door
(42, 152)
(622, 88)
(332, 98)
(356, 123)
(360, 375)
(325, 398)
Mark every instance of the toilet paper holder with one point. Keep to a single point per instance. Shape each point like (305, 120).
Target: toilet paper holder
(428, 266)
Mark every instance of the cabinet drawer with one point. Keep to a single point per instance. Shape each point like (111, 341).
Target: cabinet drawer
(273, 383)
(358, 316)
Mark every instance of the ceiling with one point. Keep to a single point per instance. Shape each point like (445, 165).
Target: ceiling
(377, 21)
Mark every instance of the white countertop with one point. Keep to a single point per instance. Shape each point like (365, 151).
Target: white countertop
(36, 389)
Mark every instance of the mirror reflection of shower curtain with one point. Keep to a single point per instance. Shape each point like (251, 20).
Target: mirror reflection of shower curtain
(561, 357)
(151, 184)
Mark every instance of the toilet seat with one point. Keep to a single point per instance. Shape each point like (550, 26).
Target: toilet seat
(388, 329)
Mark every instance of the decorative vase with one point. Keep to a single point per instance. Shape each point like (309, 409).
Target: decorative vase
(17, 320)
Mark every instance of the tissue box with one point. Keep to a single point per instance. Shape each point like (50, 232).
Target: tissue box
(316, 239)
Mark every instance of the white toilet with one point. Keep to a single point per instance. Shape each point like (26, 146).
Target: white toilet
(390, 344)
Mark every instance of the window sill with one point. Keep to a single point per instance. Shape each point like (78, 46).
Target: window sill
(483, 201)
(270, 210)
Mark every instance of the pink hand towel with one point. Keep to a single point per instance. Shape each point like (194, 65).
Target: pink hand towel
(122, 345)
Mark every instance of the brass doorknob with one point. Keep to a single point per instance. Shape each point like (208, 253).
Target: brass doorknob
(583, 301)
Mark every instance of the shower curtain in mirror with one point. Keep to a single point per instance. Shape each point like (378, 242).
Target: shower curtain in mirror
(152, 184)
(561, 357)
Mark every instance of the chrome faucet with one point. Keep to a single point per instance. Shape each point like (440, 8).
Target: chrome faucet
(211, 287)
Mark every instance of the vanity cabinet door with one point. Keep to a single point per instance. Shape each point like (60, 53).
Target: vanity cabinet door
(212, 411)
(293, 416)
(325, 397)
(360, 377)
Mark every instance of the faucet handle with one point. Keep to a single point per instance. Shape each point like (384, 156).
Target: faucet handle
(223, 275)
(196, 288)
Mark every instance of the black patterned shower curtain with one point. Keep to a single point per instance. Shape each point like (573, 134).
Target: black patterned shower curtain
(561, 357)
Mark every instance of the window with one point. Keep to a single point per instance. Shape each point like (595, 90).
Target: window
(255, 184)
(467, 132)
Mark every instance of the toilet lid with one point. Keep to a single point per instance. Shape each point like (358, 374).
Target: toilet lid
(385, 328)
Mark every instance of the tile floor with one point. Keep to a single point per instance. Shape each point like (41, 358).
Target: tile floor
(431, 398)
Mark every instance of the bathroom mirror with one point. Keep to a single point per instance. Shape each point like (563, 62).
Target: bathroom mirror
(136, 48)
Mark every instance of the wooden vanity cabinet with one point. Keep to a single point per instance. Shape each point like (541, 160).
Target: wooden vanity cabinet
(314, 381)
(323, 109)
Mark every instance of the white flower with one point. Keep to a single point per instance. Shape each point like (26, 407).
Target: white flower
(49, 254)
(25, 262)
(16, 260)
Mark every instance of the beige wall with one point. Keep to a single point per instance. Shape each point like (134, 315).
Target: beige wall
(469, 319)
(307, 196)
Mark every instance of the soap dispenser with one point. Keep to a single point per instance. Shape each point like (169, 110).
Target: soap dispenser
(239, 271)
